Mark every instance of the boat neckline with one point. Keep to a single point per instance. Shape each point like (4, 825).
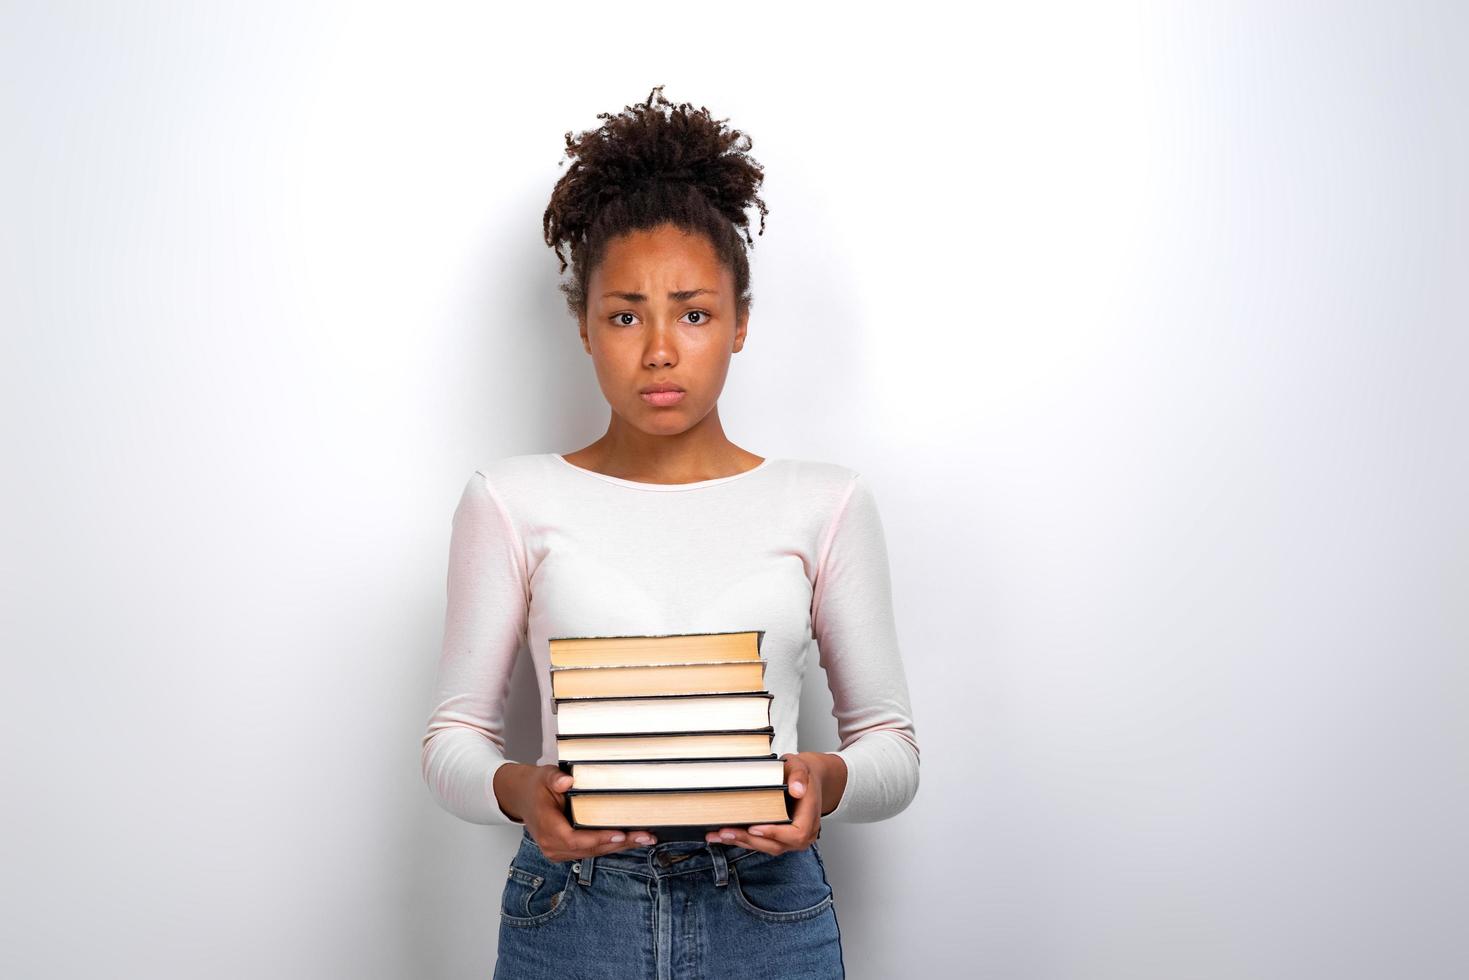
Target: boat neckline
(619, 481)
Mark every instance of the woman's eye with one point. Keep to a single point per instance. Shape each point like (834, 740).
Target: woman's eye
(699, 313)
(617, 319)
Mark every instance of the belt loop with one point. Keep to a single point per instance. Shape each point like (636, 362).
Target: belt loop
(721, 866)
(583, 869)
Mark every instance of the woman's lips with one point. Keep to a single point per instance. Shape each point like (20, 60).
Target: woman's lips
(662, 398)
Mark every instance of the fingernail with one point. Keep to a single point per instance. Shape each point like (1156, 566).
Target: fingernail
(618, 838)
(644, 839)
(798, 786)
(727, 834)
(757, 833)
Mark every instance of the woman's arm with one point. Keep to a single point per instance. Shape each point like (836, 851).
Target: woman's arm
(853, 622)
(485, 623)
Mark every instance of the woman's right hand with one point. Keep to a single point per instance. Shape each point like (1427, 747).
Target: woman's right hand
(536, 796)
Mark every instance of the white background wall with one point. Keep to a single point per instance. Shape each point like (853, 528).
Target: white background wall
(1148, 326)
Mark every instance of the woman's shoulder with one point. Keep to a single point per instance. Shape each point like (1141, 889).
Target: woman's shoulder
(816, 488)
(523, 480)
(512, 472)
(817, 474)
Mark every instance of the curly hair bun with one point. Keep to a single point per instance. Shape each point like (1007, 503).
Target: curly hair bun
(654, 163)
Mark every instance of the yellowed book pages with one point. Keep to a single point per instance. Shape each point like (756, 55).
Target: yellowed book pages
(715, 678)
(678, 775)
(666, 809)
(665, 746)
(630, 651)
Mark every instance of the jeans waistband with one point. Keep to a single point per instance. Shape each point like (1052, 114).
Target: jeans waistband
(663, 859)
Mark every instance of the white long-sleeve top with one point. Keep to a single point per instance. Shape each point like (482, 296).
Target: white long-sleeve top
(541, 547)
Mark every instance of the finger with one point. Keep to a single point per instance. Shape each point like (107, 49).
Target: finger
(742, 839)
(571, 840)
(800, 831)
(806, 811)
(590, 842)
(806, 814)
(798, 777)
(774, 839)
(560, 837)
(617, 840)
(632, 838)
(791, 836)
(797, 783)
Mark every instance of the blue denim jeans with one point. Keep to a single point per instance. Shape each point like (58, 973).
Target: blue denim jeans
(674, 910)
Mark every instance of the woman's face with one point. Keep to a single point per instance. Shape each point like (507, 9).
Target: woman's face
(661, 309)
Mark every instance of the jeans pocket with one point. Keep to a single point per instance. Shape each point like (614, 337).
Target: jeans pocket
(530, 899)
(785, 887)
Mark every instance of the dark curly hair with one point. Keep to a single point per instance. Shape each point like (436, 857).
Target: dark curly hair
(643, 168)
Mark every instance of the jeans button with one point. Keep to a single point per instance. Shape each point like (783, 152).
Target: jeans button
(576, 867)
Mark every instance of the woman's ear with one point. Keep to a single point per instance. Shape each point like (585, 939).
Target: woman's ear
(740, 326)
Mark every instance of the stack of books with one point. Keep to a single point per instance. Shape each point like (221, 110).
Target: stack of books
(671, 733)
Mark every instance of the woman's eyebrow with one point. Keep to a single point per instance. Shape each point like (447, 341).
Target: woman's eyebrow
(677, 296)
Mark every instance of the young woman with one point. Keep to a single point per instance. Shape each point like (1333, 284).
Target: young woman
(662, 526)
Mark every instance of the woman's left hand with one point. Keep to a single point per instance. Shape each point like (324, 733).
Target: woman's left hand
(803, 776)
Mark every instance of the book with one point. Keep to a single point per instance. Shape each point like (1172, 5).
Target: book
(668, 678)
(693, 812)
(669, 713)
(723, 773)
(627, 651)
(672, 733)
(753, 743)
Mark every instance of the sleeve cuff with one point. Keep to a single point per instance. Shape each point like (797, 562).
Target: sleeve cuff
(494, 801)
(844, 805)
